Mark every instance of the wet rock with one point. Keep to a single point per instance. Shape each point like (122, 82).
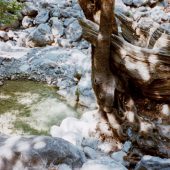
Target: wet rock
(38, 151)
(104, 163)
(4, 35)
(151, 162)
(73, 31)
(27, 22)
(42, 17)
(41, 36)
(56, 27)
(29, 9)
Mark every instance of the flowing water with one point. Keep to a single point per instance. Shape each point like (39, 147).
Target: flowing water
(28, 107)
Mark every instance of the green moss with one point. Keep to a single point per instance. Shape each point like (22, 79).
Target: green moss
(9, 11)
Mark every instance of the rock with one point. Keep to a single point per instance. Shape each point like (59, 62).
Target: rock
(151, 162)
(164, 130)
(73, 31)
(27, 22)
(37, 151)
(126, 146)
(68, 21)
(128, 2)
(145, 23)
(55, 12)
(118, 156)
(56, 27)
(158, 15)
(56, 131)
(90, 142)
(11, 34)
(63, 167)
(4, 35)
(91, 153)
(103, 163)
(139, 3)
(1, 83)
(65, 43)
(29, 9)
(42, 17)
(41, 36)
(73, 138)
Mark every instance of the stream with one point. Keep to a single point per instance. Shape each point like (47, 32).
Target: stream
(28, 107)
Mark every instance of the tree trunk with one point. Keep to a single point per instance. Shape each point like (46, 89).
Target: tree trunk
(131, 84)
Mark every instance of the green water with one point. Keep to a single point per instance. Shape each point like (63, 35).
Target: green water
(28, 107)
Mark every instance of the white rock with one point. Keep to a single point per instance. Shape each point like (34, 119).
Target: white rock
(56, 131)
(4, 35)
(27, 22)
(74, 138)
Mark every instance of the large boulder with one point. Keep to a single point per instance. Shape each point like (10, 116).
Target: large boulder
(26, 152)
(41, 36)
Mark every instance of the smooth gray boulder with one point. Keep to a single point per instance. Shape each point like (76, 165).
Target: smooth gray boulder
(37, 151)
(153, 163)
(41, 36)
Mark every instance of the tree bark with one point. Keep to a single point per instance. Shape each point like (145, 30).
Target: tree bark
(131, 84)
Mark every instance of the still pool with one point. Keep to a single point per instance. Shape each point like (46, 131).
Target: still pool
(28, 107)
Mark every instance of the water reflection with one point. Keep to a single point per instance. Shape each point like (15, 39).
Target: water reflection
(28, 107)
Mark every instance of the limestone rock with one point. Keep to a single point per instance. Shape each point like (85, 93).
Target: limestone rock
(41, 36)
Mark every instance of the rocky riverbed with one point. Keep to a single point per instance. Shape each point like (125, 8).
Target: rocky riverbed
(46, 46)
